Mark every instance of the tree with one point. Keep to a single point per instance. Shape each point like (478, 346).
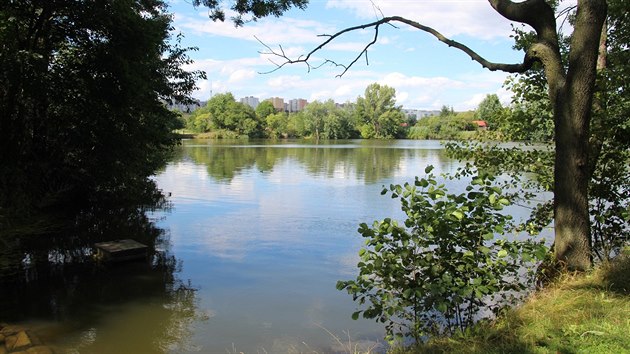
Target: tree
(377, 113)
(571, 84)
(446, 111)
(277, 124)
(222, 112)
(264, 109)
(219, 108)
(609, 149)
(314, 115)
(490, 110)
(296, 127)
(340, 122)
(447, 127)
(82, 93)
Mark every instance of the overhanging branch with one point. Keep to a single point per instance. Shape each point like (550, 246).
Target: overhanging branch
(510, 68)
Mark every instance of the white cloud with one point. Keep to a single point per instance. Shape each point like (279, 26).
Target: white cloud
(474, 18)
(475, 100)
(505, 97)
(396, 79)
(401, 97)
(285, 81)
(269, 30)
(343, 90)
(241, 74)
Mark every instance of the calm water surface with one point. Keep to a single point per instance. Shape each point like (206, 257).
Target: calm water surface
(248, 257)
(265, 230)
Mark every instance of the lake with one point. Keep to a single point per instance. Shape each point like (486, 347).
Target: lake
(249, 252)
(265, 230)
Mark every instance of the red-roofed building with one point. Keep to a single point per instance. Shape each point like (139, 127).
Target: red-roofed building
(481, 124)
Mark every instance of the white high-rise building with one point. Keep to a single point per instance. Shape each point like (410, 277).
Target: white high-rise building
(250, 101)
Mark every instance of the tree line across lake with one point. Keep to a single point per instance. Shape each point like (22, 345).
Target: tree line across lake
(372, 116)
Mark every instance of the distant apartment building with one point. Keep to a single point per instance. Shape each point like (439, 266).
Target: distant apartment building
(296, 105)
(419, 113)
(278, 103)
(250, 101)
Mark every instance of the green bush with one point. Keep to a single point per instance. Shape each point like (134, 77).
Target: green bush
(434, 273)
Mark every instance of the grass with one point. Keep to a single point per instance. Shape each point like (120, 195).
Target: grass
(584, 313)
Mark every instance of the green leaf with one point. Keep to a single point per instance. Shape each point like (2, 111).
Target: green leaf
(502, 254)
(355, 315)
(458, 214)
(428, 169)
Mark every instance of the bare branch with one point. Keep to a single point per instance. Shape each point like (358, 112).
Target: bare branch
(511, 68)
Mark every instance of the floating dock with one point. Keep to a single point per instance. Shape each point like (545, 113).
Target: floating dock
(120, 250)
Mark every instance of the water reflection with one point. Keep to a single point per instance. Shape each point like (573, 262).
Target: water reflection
(51, 284)
(366, 160)
(263, 230)
(267, 228)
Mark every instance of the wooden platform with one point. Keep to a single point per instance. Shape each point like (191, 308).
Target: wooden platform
(120, 250)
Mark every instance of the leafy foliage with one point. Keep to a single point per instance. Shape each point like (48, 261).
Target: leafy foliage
(530, 118)
(377, 113)
(452, 126)
(609, 188)
(490, 110)
(256, 9)
(222, 112)
(264, 109)
(325, 120)
(82, 92)
(277, 124)
(435, 272)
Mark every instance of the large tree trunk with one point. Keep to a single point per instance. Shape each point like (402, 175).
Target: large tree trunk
(572, 99)
(572, 227)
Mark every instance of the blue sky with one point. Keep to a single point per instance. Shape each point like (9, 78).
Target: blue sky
(425, 72)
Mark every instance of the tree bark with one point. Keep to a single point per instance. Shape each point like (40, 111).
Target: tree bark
(572, 112)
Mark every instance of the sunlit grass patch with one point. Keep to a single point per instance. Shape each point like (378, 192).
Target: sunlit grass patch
(587, 313)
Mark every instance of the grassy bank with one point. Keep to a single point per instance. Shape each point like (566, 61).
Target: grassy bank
(587, 313)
